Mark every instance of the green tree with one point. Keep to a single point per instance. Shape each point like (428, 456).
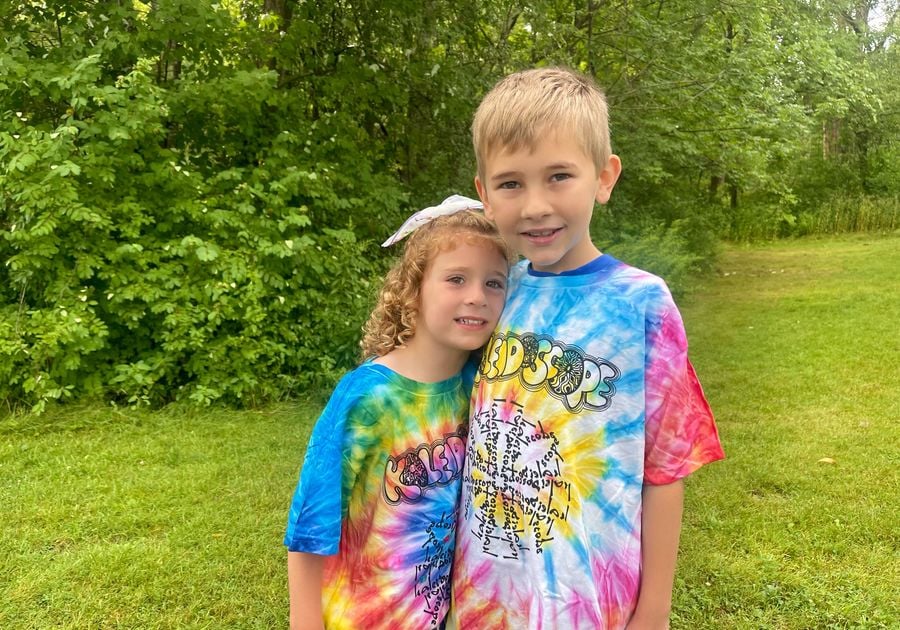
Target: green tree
(192, 193)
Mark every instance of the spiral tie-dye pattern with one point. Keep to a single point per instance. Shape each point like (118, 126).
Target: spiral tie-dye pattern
(584, 394)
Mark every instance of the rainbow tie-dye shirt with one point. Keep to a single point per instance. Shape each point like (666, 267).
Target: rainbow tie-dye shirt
(377, 495)
(584, 394)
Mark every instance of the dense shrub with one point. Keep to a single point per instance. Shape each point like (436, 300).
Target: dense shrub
(667, 251)
(142, 268)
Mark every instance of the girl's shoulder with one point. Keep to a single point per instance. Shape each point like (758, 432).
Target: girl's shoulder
(366, 371)
(376, 383)
(357, 385)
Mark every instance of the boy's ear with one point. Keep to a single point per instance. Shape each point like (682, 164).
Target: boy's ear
(607, 178)
(482, 194)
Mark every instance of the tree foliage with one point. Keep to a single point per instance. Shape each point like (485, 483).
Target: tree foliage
(191, 193)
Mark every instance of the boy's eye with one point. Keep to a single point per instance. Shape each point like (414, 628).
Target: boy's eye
(496, 284)
(560, 177)
(510, 185)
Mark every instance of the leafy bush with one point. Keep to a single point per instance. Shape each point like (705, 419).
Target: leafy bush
(143, 268)
(760, 221)
(190, 191)
(677, 248)
(676, 253)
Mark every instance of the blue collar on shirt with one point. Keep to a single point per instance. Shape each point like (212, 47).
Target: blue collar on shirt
(601, 262)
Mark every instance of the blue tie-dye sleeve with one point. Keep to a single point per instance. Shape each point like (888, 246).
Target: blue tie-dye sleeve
(314, 520)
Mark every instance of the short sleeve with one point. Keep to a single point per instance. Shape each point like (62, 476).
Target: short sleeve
(314, 520)
(680, 431)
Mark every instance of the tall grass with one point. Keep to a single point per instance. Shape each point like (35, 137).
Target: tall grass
(838, 215)
(848, 214)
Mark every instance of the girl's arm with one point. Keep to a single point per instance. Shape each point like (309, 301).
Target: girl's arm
(660, 531)
(305, 588)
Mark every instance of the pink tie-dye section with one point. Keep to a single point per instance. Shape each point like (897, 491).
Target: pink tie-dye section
(373, 581)
(513, 602)
(681, 435)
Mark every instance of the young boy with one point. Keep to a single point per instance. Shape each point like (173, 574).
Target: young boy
(586, 413)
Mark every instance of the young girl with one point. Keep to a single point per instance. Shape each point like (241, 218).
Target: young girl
(372, 525)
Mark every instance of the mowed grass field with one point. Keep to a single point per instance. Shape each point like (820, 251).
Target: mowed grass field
(797, 344)
(125, 519)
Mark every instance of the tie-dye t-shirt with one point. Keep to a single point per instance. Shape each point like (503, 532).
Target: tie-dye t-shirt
(377, 495)
(584, 394)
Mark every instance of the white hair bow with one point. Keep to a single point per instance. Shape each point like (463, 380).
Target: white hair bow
(450, 205)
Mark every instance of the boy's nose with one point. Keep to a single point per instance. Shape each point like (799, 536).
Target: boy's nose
(536, 206)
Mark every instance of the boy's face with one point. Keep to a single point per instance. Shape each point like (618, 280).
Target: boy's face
(542, 199)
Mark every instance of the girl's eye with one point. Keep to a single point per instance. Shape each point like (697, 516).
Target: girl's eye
(456, 279)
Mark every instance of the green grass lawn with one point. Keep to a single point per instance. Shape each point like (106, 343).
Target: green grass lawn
(137, 520)
(798, 346)
(174, 519)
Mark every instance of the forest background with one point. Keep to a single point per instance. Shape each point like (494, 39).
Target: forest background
(192, 193)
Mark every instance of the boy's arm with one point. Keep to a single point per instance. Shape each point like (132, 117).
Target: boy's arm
(660, 531)
(305, 588)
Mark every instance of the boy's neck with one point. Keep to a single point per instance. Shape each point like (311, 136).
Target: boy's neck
(424, 367)
(590, 258)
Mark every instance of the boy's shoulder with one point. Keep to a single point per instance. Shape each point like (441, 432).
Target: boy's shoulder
(640, 280)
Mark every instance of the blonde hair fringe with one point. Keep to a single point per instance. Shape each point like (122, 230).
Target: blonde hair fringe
(524, 106)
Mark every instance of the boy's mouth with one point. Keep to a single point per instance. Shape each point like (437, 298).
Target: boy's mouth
(541, 234)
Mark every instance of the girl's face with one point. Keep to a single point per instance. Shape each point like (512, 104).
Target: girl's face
(461, 298)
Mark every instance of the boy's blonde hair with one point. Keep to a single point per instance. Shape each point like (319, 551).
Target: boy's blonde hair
(526, 105)
(393, 320)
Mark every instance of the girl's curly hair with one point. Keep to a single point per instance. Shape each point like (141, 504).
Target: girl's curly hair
(393, 320)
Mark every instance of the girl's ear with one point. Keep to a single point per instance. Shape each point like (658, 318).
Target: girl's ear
(607, 178)
(482, 194)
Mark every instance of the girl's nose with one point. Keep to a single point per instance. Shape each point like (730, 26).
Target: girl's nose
(476, 294)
